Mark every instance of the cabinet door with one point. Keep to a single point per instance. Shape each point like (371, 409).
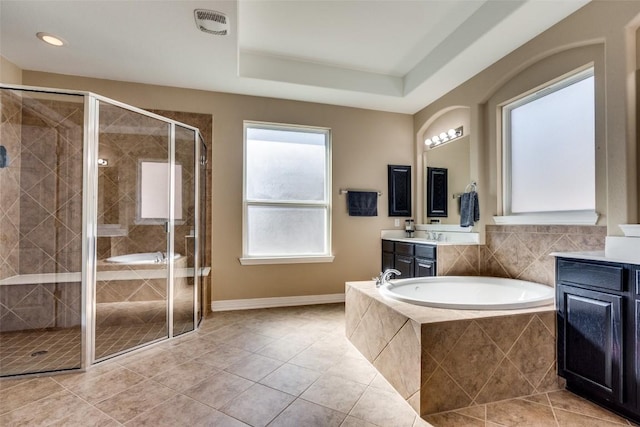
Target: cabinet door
(404, 264)
(399, 178)
(424, 268)
(387, 260)
(637, 346)
(590, 341)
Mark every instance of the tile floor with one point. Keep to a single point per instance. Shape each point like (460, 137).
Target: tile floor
(276, 367)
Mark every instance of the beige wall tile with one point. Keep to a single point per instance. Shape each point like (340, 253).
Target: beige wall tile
(534, 352)
(472, 360)
(399, 362)
(434, 400)
(505, 382)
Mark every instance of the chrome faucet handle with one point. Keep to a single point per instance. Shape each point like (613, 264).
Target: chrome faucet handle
(384, 276)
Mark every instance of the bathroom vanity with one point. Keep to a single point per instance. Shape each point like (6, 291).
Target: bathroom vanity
(598, 316)
(410, 259)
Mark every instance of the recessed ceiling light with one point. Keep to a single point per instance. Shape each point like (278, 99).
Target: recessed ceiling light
(50, 39)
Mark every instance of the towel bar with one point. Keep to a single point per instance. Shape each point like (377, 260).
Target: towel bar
(341, 191)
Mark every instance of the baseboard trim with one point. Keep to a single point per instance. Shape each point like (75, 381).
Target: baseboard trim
(254, 303)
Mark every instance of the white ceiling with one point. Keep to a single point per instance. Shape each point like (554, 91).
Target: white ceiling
(390, 55)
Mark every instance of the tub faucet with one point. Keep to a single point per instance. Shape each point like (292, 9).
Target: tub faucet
(384, 276)
(159, 257)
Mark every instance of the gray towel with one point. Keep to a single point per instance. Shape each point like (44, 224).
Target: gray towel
(362, 203)
(469, 209)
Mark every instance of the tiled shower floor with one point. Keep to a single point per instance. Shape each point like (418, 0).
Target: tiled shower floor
(49, 350)
(276, 367)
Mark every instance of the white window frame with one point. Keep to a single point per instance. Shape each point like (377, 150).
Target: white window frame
(248, 259)
(577, 217)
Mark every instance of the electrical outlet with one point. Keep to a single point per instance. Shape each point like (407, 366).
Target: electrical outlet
(396, 222)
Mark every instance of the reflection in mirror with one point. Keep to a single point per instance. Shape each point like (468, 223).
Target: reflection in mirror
(454, 157)
(437, 195)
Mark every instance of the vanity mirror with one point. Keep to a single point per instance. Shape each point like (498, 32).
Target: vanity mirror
(444, 143)
(453, 158)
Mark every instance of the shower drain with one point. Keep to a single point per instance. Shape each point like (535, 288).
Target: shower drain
(39, 353)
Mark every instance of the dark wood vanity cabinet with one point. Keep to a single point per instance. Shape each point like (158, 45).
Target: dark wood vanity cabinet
(410, 259)
(597, 320)
(636, 333)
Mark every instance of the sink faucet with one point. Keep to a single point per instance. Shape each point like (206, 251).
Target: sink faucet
(432, 235)
(384, 276)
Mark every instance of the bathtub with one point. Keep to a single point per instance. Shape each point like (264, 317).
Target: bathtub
(469, 292)
(141, 258)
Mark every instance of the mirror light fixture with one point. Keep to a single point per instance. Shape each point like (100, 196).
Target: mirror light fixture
(443, 137)
(50, 39)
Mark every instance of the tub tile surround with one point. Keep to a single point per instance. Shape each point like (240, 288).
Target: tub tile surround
(440, 360)
(522, 251)
(517, 251)
(459, 260)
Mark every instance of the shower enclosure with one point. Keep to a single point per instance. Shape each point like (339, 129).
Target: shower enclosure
(101, 226)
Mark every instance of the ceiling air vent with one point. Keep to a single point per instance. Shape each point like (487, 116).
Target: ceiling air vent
(212, 22)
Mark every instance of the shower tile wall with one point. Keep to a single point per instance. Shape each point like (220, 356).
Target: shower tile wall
(43, 203)
(10, 135)
(51, 187)
(204, 122)
(117, 191)
(118, 181)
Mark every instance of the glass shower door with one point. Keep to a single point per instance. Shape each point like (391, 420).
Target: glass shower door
(133, 212)
(184, 232)
(41, 145)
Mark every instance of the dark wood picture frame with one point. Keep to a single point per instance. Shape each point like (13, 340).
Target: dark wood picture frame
(437, 192)
(399, 180)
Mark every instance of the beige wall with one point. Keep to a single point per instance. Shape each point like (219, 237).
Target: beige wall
(604, 33)
(9, 72)
(364, 142)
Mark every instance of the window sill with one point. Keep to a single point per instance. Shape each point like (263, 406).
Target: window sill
(285, 260)
(550, 218)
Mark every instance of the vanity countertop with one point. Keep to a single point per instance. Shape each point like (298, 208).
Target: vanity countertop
(448, 238)
(594, 256)
(423, 241)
